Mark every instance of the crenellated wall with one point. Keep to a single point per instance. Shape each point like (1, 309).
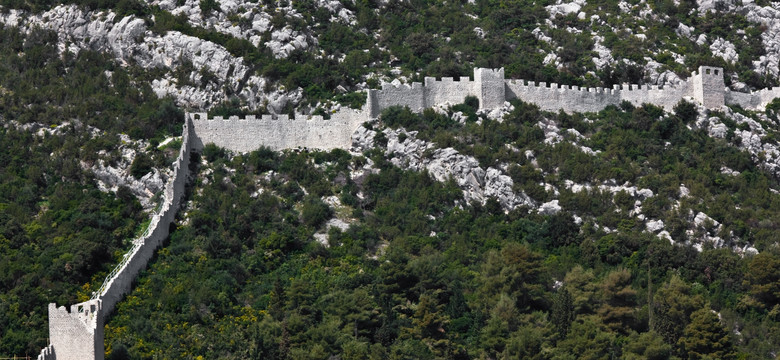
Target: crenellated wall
(47, 353)
(447, 90)
(489, 86)
(77, 332)
(281, 132)
(145, 246)
(555, 97)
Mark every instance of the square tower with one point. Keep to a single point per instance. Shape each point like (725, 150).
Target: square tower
(77, 333)
(489, 86)
(708, 87)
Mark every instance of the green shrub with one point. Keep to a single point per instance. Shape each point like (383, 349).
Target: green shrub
(315, 212)
(142, 165)
(207, 6)
(213, 152)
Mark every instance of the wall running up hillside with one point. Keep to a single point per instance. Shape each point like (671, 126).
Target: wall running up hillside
(76, 333)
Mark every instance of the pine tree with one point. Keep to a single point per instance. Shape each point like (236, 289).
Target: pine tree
(705, 338)
(619, 299)
(562, 313)
(673, 305)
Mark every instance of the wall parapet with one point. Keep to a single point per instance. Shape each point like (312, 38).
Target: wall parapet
(47, 353)
(491, 88)
(277, 132)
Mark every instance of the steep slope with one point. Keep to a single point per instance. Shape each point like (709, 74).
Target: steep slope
(449, 234)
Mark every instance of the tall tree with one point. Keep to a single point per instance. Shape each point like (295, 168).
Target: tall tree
(515, 271)
(673, 305)
(618, 301)
(562, 312)
(705, 338)
(763, 278)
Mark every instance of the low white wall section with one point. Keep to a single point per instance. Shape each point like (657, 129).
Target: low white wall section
(745, 100)
(765, 96)
(447, 91)
(554, 97)
(282, 132)
(412, 96)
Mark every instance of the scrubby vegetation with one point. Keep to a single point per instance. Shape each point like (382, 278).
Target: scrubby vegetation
(417, 272)
(415, 276)
(60, 235)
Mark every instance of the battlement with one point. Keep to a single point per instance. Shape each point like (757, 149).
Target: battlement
(77, 332)
(403, 86)
(446, 80)
(47, 353)
(708, 71)
(488, 85)
(265, 118)
(276, 131)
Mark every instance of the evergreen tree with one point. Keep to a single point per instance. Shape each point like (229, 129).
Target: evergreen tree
(562, 312)
(705, 338)
(763, 277)
(673, 305)
(619, 299)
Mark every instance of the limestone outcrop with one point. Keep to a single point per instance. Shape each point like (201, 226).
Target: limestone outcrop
(129, 40)
(478, 184)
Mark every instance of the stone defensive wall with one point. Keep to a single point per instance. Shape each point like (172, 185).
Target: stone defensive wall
(279, 132)
(555, 97)
(705, 86)
(76, 333)
(487, 86)
(755, 100)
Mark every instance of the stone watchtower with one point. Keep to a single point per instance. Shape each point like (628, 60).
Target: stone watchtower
(77, 332)
(489, 86)
(708, 87)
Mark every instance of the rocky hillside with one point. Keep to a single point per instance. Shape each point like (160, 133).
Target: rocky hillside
(278, 56)
(455, 233)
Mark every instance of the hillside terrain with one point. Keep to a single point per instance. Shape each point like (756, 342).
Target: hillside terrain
(452, 233)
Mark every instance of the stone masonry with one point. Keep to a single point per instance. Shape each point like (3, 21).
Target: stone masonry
(77, 332)
(705, 86)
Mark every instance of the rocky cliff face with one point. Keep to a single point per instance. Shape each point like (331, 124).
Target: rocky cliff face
(130, 41)
(767, 16)
(478, 184)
